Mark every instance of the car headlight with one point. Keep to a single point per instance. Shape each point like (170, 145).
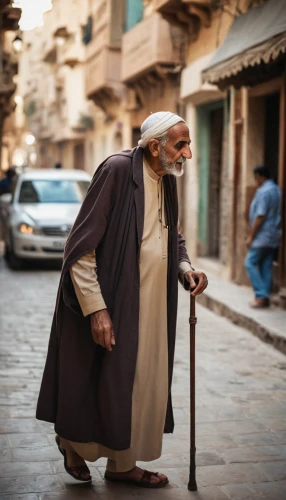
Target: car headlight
(25, 228)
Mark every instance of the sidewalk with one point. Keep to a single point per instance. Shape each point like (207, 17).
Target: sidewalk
(231, 301)
(240, 408)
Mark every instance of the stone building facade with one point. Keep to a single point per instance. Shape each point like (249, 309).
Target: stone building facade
(103, 65)
(233, 86)
(250, 66)
(52, 83)
(9, 18)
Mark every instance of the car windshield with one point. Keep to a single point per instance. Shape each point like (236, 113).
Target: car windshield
(53, 191)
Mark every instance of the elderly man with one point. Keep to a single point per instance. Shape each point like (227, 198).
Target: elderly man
(108, 374)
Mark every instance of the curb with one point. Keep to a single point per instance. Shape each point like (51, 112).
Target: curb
(265, 334)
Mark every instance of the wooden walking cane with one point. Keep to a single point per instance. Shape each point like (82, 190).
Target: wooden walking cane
(192, 485)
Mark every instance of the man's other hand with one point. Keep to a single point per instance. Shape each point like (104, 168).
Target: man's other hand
(102, 329)
(198, 282)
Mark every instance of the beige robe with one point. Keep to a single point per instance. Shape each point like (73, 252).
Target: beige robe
(150, 390)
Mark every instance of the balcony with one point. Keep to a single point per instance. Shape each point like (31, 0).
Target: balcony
(71, 53)
(10, 16)
(189, 13)
(171, 5)
(7, 90)
(103, 73)
(168, 6)
(103, 55)
(50, 51)
(153, 45)
(9, 69)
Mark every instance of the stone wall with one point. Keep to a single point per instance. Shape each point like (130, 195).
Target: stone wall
(225, 201)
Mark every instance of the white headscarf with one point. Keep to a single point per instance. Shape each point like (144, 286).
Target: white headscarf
(156, 124)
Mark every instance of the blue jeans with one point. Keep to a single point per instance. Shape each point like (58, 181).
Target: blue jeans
(258, 264)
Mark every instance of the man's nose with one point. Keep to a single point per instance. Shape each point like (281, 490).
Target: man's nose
(187, 152)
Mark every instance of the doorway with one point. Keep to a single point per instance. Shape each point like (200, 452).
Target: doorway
(271, 135)
(263, 149)
(271, 157)
(210, 120)
(79, 156)
(216, 131)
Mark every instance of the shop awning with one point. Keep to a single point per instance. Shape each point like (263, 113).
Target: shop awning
(259, 36)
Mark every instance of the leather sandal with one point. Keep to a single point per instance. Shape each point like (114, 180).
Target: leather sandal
(145, 481)
(81, 469)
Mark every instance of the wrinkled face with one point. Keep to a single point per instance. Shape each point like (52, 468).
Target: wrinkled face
(176, 150)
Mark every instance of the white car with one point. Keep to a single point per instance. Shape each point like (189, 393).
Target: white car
(38, 217)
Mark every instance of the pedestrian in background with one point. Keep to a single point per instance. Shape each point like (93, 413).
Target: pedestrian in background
(264, 238)
(6, 184)
(107, 380)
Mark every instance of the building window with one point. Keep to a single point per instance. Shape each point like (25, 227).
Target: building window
(134, 13)
(87, 31)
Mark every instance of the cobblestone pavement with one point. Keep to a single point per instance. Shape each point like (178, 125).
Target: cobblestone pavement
(241, 408)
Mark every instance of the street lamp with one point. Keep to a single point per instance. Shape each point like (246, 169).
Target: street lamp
(30, 140)
(17, 44)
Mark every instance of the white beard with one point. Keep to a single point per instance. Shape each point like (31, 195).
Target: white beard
(172, 169)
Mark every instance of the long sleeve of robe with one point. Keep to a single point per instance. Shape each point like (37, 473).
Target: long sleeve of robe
(87, 289)
(85, 282)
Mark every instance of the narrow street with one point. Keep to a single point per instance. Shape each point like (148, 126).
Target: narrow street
(241, 408)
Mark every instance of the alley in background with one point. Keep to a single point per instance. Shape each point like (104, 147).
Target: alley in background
(241, 405)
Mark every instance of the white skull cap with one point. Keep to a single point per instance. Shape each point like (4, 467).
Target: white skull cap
(156, 125)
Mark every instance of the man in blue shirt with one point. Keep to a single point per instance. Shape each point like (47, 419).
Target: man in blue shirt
(264, 237)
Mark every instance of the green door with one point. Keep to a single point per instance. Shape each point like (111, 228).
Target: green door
(210, 119)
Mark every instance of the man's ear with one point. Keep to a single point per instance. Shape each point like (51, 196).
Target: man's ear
(154, 147)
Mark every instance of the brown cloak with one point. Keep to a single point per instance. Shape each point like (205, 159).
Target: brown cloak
(86, 390)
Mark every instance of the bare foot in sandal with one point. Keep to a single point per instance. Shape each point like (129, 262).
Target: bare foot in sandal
(74, 463)
(139, 477)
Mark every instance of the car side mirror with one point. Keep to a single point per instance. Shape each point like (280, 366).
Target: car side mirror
(6, 198)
